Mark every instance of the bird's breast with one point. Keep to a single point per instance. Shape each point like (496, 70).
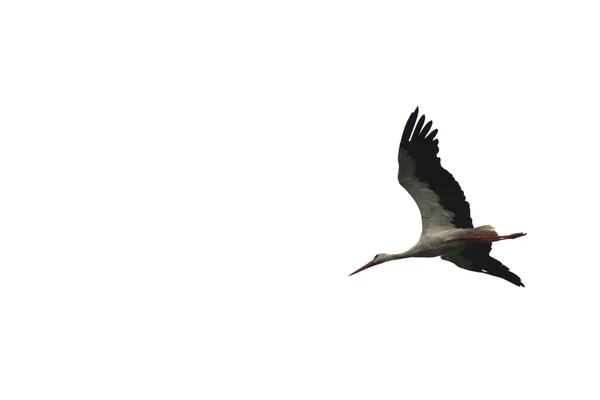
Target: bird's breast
(440, 244)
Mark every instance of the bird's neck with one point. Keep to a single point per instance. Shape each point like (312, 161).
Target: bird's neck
(398, 256)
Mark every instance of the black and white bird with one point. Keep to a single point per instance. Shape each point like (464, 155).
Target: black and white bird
(447, 229)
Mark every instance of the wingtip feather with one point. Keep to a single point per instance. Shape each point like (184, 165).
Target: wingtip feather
(419, 126)
(408, 128)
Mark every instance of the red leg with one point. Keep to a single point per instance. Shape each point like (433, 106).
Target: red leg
(492, 238)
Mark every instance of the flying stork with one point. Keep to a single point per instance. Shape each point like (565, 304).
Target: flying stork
(447, 229)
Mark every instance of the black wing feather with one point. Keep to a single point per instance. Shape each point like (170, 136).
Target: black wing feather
(477, 258)
(423, 148)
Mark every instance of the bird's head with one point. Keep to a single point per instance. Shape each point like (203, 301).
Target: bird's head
(378, 259)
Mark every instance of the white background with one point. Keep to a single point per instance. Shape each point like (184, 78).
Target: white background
(185, 187)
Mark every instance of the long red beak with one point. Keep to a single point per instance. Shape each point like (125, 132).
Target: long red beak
(367, 265)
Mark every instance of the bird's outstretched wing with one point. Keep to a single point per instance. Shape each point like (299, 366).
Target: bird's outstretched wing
(439, 197)
(477, 258)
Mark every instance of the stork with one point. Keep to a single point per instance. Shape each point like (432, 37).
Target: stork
(447, 228)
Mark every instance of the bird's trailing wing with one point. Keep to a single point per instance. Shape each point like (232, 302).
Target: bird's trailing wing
(477, 258)
(439, 197)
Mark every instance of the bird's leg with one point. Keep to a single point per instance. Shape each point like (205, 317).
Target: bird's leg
(492, 238)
